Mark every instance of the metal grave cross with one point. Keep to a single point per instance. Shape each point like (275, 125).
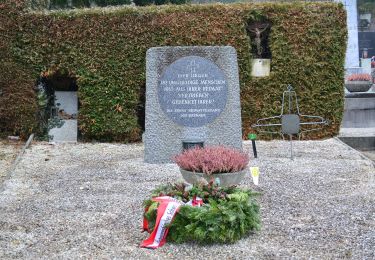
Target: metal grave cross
(290, 123)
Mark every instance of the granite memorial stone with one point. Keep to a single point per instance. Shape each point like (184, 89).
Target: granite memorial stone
(192, 96)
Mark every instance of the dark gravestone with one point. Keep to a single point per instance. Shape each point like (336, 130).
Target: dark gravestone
(192, 96)
(366, 40)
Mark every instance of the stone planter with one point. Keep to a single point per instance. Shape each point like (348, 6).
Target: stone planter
(226, 179)
(358, 86)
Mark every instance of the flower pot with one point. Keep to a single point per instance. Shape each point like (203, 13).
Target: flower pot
(358, 86)
(225, 179)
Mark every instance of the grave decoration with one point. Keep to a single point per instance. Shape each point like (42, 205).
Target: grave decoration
(204, 213)
(223, 165)
(255, 174)
(291, 122)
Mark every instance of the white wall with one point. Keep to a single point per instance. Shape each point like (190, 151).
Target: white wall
(352, 52)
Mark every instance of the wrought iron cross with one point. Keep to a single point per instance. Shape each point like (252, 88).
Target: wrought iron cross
(290, 123)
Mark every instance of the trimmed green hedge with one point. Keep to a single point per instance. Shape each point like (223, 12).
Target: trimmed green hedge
(105, 49)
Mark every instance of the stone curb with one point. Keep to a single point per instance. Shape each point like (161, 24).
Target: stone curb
(16, 161)
(358, 152)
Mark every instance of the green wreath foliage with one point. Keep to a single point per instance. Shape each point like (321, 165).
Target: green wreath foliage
(227, 215)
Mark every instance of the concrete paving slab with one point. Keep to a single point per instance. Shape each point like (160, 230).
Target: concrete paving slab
(357, 132)
(359, 138)
(67, 133)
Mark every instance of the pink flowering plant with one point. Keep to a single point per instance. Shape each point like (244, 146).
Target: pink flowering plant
(359, 77)
(212, 159)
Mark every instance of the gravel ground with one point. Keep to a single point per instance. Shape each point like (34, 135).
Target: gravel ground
(84, 201)
(8, 153)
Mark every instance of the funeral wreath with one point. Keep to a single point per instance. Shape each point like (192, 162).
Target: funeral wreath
(205, 214)
(224, 165)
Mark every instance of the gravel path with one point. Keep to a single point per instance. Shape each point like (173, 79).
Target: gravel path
(8, 153)
(84, 201)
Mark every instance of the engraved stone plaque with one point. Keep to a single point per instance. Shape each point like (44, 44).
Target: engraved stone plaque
(192, 96)
(192, 91)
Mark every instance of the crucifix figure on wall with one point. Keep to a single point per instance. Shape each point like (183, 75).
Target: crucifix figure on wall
(258, 30)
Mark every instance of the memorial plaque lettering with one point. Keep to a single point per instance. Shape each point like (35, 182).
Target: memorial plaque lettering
(192, 91)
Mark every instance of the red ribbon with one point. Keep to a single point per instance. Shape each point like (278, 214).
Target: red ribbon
(167, 210)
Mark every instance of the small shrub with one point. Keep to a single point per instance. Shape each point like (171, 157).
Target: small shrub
(59, 4)
(143, 2)
(103, 3)
(212, 159)
(161, 2)
(81, 3)
(359, 77)
(178, 2)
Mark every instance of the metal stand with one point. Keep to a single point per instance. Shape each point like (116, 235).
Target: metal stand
(252, 137)
(254, 148)
(290, 123)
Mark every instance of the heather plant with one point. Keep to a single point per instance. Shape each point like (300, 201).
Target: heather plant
(359, 77)
(212, 159)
